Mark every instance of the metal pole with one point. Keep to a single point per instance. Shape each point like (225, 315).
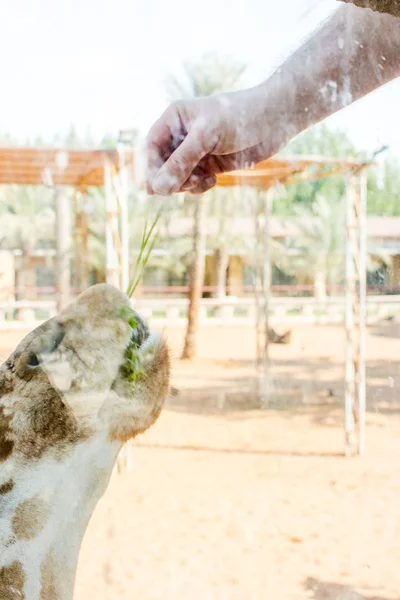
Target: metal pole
(258, 312)
(124, 190)
(63, 240)
(267, 199)
(76, 239)
(267, 276)
(81, 239)
(361, 399)
(257, 283)
(112, 274)
(349, 321)
(126, 452)
(84, 200)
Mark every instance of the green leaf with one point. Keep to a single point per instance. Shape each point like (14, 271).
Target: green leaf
(146, 247)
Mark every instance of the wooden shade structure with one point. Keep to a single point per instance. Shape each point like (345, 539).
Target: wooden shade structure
(85, 168)
(285, 170)
(56, 166)
(115, 171)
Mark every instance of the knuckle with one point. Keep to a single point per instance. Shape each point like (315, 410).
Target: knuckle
(177, 104)
(180, 163)
(204, 184)
(176, 108)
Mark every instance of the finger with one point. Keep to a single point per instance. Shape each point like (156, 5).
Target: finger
(204, 184)
(159, 140)
(187, 186)
(141, 169)
(197, 174)
(155, 159)
(244, 159)
(180, 165)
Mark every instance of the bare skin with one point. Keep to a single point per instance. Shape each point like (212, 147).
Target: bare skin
(355, 52)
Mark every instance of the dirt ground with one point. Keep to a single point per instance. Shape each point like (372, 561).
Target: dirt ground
(228, 500)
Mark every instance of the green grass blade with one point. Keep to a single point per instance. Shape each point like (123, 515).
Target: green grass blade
(145, 250)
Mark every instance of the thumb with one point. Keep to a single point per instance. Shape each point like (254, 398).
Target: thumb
(179, 166)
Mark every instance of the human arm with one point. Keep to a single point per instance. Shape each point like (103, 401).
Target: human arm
(353, 53)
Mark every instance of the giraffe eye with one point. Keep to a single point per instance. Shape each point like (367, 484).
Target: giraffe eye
(33, 360)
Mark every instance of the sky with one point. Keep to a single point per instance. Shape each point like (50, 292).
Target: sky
(101, 66)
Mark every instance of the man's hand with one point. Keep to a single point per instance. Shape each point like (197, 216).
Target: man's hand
(195, 140)
(352, 54)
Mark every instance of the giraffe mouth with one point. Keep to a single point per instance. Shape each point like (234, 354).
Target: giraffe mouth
(140, 333)
(141, 344)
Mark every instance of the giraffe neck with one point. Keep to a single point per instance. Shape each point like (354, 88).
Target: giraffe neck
(44, 513)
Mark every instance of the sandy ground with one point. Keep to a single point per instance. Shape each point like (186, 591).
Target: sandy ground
(228, 500)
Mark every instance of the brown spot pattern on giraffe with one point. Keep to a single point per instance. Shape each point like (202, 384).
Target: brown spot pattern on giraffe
(48, 589)
(49, 422)
(12, 579)
(6, 445)
(6, 487)
(29, 519)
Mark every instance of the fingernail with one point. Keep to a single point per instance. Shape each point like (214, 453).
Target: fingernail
(188, 186)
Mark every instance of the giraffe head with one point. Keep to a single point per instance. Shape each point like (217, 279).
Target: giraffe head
(67, 404)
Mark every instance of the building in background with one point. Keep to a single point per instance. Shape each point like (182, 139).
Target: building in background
(167, 273)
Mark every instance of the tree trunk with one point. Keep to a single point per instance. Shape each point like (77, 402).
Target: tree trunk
(332, 288)
(258, 284)
(320, 286)
(332, 281)
(197, 269)
(221, 265)
(267, 275)
(19, 279)
(63, 241)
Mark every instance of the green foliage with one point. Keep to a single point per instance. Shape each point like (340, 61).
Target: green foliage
(383, 182)
(384, 188)
(26, 217)
(210, 75)
(319, 141)
(132, 368)
(27, 213)
(108, 141)
(228, 205)
(317, 252)
(146, 247)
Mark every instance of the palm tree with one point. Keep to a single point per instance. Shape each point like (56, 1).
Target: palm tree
(322, 141)
(210, 75)
(317, 253)
(175, 262)
(226, 206)
(26, 220)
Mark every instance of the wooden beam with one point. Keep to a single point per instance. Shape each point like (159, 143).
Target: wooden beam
(63, 242)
